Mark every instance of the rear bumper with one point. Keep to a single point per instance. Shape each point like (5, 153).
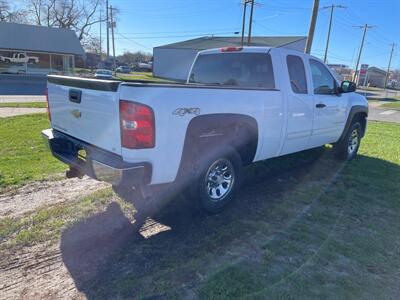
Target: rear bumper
(97, 163)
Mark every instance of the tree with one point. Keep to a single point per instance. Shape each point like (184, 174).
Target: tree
(78, 15)
(92, 45)
(10, 14)
(130, 58)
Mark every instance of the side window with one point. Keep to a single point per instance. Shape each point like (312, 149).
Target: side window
(297, 74)
(323, 81)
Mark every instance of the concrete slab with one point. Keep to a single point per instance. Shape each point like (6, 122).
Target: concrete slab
(13, 111)
(21, 98)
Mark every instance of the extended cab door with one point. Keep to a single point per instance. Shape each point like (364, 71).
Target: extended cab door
(329, 106)
(299, 103)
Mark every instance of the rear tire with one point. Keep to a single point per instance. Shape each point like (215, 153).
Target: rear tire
(347, 148)
(219, 180)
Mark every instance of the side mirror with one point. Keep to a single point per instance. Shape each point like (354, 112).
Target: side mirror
(347, 87)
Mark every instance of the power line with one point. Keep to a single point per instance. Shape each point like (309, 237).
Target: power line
(133, 41)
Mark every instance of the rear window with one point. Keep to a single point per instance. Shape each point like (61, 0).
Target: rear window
(248, 70)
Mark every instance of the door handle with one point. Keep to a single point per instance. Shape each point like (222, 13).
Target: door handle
(320, 105)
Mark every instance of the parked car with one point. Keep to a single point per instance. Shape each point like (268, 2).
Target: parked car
(238, 106)
(20, 58)
(144, 67)
(123, 69)
(103, 74)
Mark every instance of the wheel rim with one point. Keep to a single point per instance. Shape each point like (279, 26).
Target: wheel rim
(353, 142)
(219, 179)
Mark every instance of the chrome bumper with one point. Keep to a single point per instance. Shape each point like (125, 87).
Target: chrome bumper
(98, 163)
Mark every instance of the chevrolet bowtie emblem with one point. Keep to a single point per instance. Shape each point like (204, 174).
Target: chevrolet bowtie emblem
(76, 113)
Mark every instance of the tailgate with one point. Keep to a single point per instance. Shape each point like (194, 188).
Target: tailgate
(86, 109)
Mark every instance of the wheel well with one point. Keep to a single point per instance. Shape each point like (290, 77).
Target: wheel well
(362, 118)
(209, 132)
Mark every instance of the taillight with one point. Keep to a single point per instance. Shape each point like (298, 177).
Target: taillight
(231, 49)
(137, 125)
(47, 104)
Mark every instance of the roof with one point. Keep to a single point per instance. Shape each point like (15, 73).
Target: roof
(39, 39)
(376, 70)
(209, 42)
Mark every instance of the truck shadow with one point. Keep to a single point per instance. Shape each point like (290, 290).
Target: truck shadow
(108, 256)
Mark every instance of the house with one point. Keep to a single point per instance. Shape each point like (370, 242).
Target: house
(31, 49)
(173, 61)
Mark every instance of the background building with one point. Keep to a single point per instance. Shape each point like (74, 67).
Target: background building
(173, 61)
(375, 77)
(343, 71)
(32, 49)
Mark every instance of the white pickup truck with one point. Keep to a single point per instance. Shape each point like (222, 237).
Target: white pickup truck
(238, 106)
(20, 58)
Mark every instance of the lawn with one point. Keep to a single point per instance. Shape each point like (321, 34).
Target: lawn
(23, 155)
(393, 105)
(145, 76)
(24, 104)
(303, 226)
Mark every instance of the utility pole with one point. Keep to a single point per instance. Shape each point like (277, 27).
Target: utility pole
(244, 20)
(332, 7)
(251, 21)
(388, 68)
(112, 36)
(311, 30)
(366, 27)
(100, 32)
(108, 34)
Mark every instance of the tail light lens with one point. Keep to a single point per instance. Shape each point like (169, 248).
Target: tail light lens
(47, 104)
(137, 125)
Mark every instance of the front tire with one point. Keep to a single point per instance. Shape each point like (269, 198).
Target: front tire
(347, 148)
(219, 180)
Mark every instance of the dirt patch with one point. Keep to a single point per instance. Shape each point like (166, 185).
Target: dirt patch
(34, 195)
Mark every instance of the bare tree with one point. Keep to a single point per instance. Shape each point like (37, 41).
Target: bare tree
(92, 44)
(10, 13)
(78, 15)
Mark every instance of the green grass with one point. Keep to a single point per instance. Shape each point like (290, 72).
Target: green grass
(391, 99)
(146, 76)
(24, 104)
(303, 226)
(346, 243)
(23, 155)
(393, 105)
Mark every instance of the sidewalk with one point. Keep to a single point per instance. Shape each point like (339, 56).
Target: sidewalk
(18, 98)
(17, 111)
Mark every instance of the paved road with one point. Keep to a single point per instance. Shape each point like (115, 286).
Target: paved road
(378, 113)
(12, 84)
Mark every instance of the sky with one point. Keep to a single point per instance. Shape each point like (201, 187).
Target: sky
(144, 24)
